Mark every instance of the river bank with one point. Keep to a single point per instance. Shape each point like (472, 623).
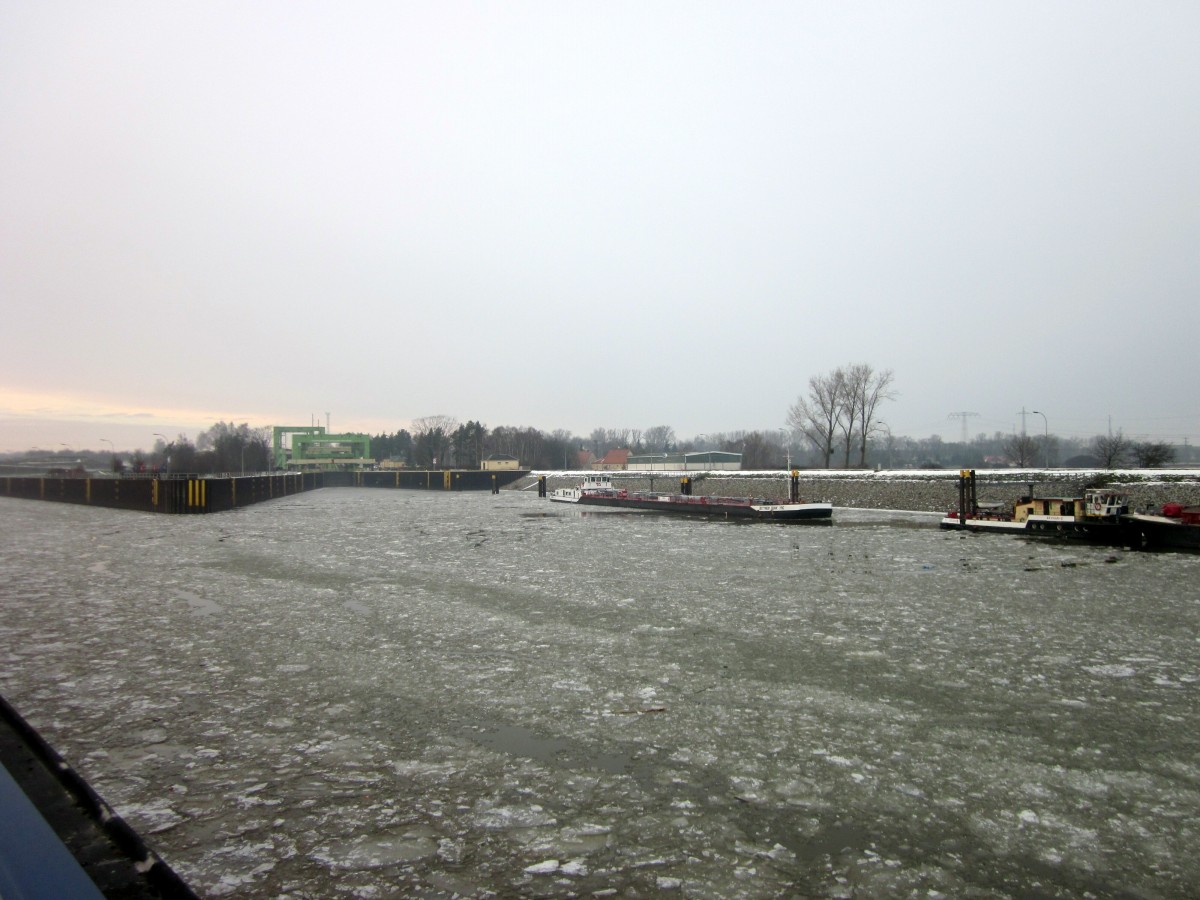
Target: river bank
(918, 490)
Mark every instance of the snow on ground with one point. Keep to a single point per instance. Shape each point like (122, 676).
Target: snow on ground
(1025, 475)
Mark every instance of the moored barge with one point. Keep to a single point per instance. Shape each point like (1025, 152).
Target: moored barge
(599, 490)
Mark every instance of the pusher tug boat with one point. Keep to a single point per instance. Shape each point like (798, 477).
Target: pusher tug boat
(599, 490)
(1100, 516)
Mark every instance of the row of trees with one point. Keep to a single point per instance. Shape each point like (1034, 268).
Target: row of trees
(442, 441)
(229, 448)
(1109, 451)
(841, 410)
(224, 447)
(1027, 451)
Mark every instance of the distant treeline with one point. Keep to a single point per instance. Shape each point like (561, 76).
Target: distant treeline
(443, 442)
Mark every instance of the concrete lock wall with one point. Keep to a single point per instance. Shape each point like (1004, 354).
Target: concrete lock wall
(184, 495)
(168, 495)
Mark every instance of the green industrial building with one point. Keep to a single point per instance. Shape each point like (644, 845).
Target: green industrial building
(699, 461)
(313, 450)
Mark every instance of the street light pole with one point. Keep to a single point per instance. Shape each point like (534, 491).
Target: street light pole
(1045, 422)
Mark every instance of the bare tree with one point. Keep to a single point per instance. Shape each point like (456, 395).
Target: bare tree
(659, 438)
(1111, 448)
(566, 444)
(871, 388)
(599, 441)
(1049, 445)
(819, 415)
(526, 444)
(848, 420)
(1020, 450)
(761, 451)
(431, 423)
(1153, 454)
(236, 447)
(604, 439)
(180, 454)
(432, 437)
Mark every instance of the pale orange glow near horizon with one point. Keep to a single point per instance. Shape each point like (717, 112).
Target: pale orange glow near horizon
(49, 420)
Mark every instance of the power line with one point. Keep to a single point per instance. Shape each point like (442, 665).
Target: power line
(964, 416)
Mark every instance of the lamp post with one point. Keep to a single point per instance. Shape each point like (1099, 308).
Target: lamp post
(1045, 422)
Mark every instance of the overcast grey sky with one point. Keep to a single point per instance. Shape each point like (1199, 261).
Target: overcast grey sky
(574, 215)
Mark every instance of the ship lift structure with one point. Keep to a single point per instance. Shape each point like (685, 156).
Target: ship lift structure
(308, 448)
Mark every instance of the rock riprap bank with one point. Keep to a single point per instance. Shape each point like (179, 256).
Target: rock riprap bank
(921, 491)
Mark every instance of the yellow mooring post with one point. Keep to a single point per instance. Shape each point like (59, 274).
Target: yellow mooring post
(196, 494)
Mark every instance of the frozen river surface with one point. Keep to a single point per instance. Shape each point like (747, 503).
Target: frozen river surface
(369, 693)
